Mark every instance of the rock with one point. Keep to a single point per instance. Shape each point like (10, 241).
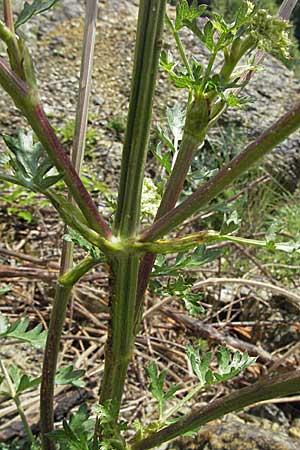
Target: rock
(234, 434)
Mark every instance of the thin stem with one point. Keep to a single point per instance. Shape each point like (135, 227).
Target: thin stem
(283, 128)
(286, 8)
(180, 46)
(58, 315)
(182, 402)
(8, 15)
(17, 401)
(72, 277)
(266, 389)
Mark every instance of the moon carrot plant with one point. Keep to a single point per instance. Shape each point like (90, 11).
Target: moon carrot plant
(37, 161)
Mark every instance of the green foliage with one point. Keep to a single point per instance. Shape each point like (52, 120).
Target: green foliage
(111, 429)
(228, 8)
(29, 163)
(77, 433)
(69, 375)
(19, 330)
(4, 289)
(117, 125)
(76, 238)
(221, 37)
(184, 261)
(21, 382)
(36, 7)
(180, 286)
(157, 387)
(229, 365)
(186, 12)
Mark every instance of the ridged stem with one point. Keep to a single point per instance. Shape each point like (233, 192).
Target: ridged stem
(125, 268)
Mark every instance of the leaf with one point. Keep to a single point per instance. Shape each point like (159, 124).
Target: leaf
(156, 381)
(185, 261)
(76, 238)
(229, 365)
(176, 120)
(27, 382)
(19, 330)
(184, 12)
(69, 375)
(231, 223)
(4, 289)
(29, 162)
(164, 158)
(163, 135)
(166, 61)
(191, 302)
(200, 365)
(36, 7)
(156, 387)
(21, 382)
(208, 35)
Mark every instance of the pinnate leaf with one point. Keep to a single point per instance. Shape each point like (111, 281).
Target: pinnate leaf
(229, 365)
(19, 330)
(186, 12)
(29, 162)
(157, 382)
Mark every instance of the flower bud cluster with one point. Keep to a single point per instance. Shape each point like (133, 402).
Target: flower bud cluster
(271, 33)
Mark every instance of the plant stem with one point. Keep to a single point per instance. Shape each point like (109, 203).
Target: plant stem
(125, 268)
(17, 402)
(58, 315)
(195, 130)
(69, 277)
(274, 135)
(183, 401)
(8, 15)
(266, 389)
(180, 46)
(287, 8)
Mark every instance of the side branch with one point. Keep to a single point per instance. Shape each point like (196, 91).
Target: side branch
(273, 136)
(266, 389)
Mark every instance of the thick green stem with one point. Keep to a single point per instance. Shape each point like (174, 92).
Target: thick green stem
(273, 136)
(150, 25)
(125, 268)
(266, 389)
(121, 337)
